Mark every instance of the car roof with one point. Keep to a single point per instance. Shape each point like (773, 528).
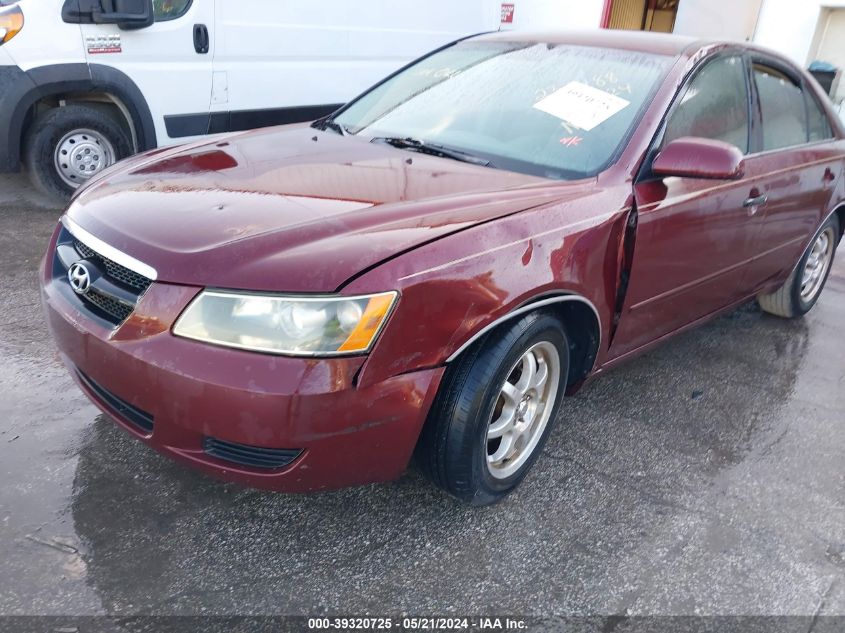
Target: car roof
(643, 41)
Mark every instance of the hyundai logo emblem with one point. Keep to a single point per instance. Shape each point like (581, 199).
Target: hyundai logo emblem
(79, 278)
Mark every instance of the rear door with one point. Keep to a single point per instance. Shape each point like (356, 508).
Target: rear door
(796, 168)
(173, 73)
(694, 236)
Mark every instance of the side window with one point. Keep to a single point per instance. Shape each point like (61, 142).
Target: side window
(782, 107)
(819, 126)
(714, 106)
(164, 10)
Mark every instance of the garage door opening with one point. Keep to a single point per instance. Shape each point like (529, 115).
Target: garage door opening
(641, 15)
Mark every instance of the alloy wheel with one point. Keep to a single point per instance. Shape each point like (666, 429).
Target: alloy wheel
(523, 409)
(817, 265)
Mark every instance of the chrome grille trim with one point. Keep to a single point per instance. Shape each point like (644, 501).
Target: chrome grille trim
(107, 251)
(113, 290)
(115, 270)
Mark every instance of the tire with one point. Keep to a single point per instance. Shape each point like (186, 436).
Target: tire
(454, 447)
(797, 297)
(73, 126)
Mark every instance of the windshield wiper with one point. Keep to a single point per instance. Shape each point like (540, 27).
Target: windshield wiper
(330, 124)
(434, 149)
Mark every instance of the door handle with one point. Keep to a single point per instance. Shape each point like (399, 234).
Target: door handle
(828, 177)
(754, 203)
(201, 39)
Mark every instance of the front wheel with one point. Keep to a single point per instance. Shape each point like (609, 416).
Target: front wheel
(801, 291)
(66, 146)
(495, 409)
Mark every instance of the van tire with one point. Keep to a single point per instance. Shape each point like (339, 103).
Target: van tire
(44, 136)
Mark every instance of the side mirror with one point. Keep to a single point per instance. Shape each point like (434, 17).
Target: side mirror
(127, 14)
(693, 157)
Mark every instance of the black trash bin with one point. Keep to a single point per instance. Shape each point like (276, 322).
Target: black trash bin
(826, 74)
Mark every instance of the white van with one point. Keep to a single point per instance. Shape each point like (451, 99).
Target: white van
(84, 83)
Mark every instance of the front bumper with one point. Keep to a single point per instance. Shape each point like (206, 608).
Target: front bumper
(194, 393)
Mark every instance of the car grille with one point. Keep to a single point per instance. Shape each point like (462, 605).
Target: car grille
(115, 290)
(138, 418)
(254, 456)
(114, 308)
(115, 270)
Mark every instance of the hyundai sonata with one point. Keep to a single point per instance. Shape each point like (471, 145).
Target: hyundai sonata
(434, 267)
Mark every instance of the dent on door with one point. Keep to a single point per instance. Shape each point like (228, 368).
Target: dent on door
(693, 240)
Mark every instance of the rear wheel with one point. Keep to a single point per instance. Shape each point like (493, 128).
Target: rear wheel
(801, 291)
(66, 146)
(495, 409)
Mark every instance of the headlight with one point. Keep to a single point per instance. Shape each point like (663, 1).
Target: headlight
(11, 22)
(299, 326)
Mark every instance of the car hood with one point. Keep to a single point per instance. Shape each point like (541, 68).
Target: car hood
(293, 208)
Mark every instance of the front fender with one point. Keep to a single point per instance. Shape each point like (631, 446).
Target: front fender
(451, 289)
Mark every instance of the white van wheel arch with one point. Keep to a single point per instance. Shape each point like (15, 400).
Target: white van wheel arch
(67, 145)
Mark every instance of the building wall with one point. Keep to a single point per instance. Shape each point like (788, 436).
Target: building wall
(540, 15)
(731, 19)
(789, 26)
(734, 19)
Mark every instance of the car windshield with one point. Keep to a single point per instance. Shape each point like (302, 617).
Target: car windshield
(557, 111)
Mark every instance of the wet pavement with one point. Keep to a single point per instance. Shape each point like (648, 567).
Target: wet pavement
(707, 477)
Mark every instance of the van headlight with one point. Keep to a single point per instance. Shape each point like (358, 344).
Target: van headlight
(11, 22)
(298, 326)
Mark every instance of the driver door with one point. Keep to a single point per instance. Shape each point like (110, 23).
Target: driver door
(695, 236)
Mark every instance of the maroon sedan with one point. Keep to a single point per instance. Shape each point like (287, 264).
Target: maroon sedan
(434, 267)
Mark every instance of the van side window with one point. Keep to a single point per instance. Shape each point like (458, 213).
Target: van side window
(782, 107)
(714, 106)
(164, 10)
(818, 124)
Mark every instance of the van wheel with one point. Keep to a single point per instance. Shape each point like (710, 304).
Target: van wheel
(65, 147)
(800, 292)
(495, 409)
